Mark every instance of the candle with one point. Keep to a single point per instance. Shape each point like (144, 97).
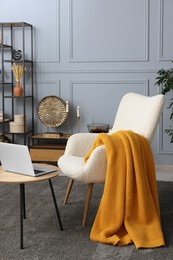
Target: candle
(67, 107)
(78, 112)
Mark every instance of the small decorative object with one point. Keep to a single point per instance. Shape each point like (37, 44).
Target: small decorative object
(67, 111)
(17, 54)
(1, 115)
(67, 107)
(52, 111)
(78, 119)
(19, 119)
(98, 128)
(17, 126)
(18, 73)
(78, 112)
(18, 90)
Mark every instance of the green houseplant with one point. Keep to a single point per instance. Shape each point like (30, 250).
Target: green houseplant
(165, 79)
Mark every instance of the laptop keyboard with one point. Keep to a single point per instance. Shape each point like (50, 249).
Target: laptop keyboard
(38, 171)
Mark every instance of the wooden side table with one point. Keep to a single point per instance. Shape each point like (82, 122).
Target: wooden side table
(47, 147)
(13, 178)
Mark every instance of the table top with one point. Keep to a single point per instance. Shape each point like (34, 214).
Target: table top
(14, 178)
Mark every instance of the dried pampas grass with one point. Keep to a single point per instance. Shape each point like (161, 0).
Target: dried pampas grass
(17, 71)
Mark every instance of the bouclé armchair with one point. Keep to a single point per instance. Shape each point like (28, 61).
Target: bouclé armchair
(136, 112)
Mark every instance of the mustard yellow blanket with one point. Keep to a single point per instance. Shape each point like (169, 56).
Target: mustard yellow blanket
(129, 208)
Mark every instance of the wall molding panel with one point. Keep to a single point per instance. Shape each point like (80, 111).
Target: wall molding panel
(161, 148)
(144, 82)
(91, 41)
(46, 88)
(96, 71)
(165, 36)
(47, 49)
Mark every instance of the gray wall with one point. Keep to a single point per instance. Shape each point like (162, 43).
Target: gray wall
(92, 52)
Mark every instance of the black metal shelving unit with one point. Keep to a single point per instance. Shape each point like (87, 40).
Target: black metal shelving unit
(18, 34)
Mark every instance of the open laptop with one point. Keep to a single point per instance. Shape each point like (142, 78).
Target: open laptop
(16, 158)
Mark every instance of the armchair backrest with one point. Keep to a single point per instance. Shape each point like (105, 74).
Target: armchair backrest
(139, 113)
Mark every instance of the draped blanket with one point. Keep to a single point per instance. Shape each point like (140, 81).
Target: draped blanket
(129, 208)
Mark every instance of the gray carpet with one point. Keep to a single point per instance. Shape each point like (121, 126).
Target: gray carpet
(43, 238)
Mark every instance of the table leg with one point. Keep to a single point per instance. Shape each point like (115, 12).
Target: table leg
(21, 213)
(55, 203)
(24, 207)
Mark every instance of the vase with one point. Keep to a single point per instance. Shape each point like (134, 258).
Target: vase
(18, 90)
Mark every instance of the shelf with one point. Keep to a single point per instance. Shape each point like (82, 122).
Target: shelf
(5, 120)
(48, 146)
(9, 102)
(15, 133)
(21, 97)
(18, 61)
(15, 24)
(5, 46)
(9, 83)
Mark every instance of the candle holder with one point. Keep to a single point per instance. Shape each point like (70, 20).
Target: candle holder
(78, 124)
(68, 123)
(78, 119)
(67, 113)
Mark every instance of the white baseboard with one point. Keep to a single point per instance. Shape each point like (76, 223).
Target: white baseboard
(164, 172)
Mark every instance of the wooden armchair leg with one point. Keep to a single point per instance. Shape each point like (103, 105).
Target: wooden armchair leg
(70, 184)
(87, 203)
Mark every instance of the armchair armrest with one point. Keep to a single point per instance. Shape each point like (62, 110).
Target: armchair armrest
(93, 171)
(96, 165)
(79, 144)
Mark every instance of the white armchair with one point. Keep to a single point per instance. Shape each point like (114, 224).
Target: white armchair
(136, 112)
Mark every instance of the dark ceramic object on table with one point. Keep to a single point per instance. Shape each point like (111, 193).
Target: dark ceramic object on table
(98, 128)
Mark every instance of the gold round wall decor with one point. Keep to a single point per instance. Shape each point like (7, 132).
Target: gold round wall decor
(52, 111)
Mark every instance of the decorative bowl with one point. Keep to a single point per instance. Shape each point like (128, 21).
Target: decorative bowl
(98, 128)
